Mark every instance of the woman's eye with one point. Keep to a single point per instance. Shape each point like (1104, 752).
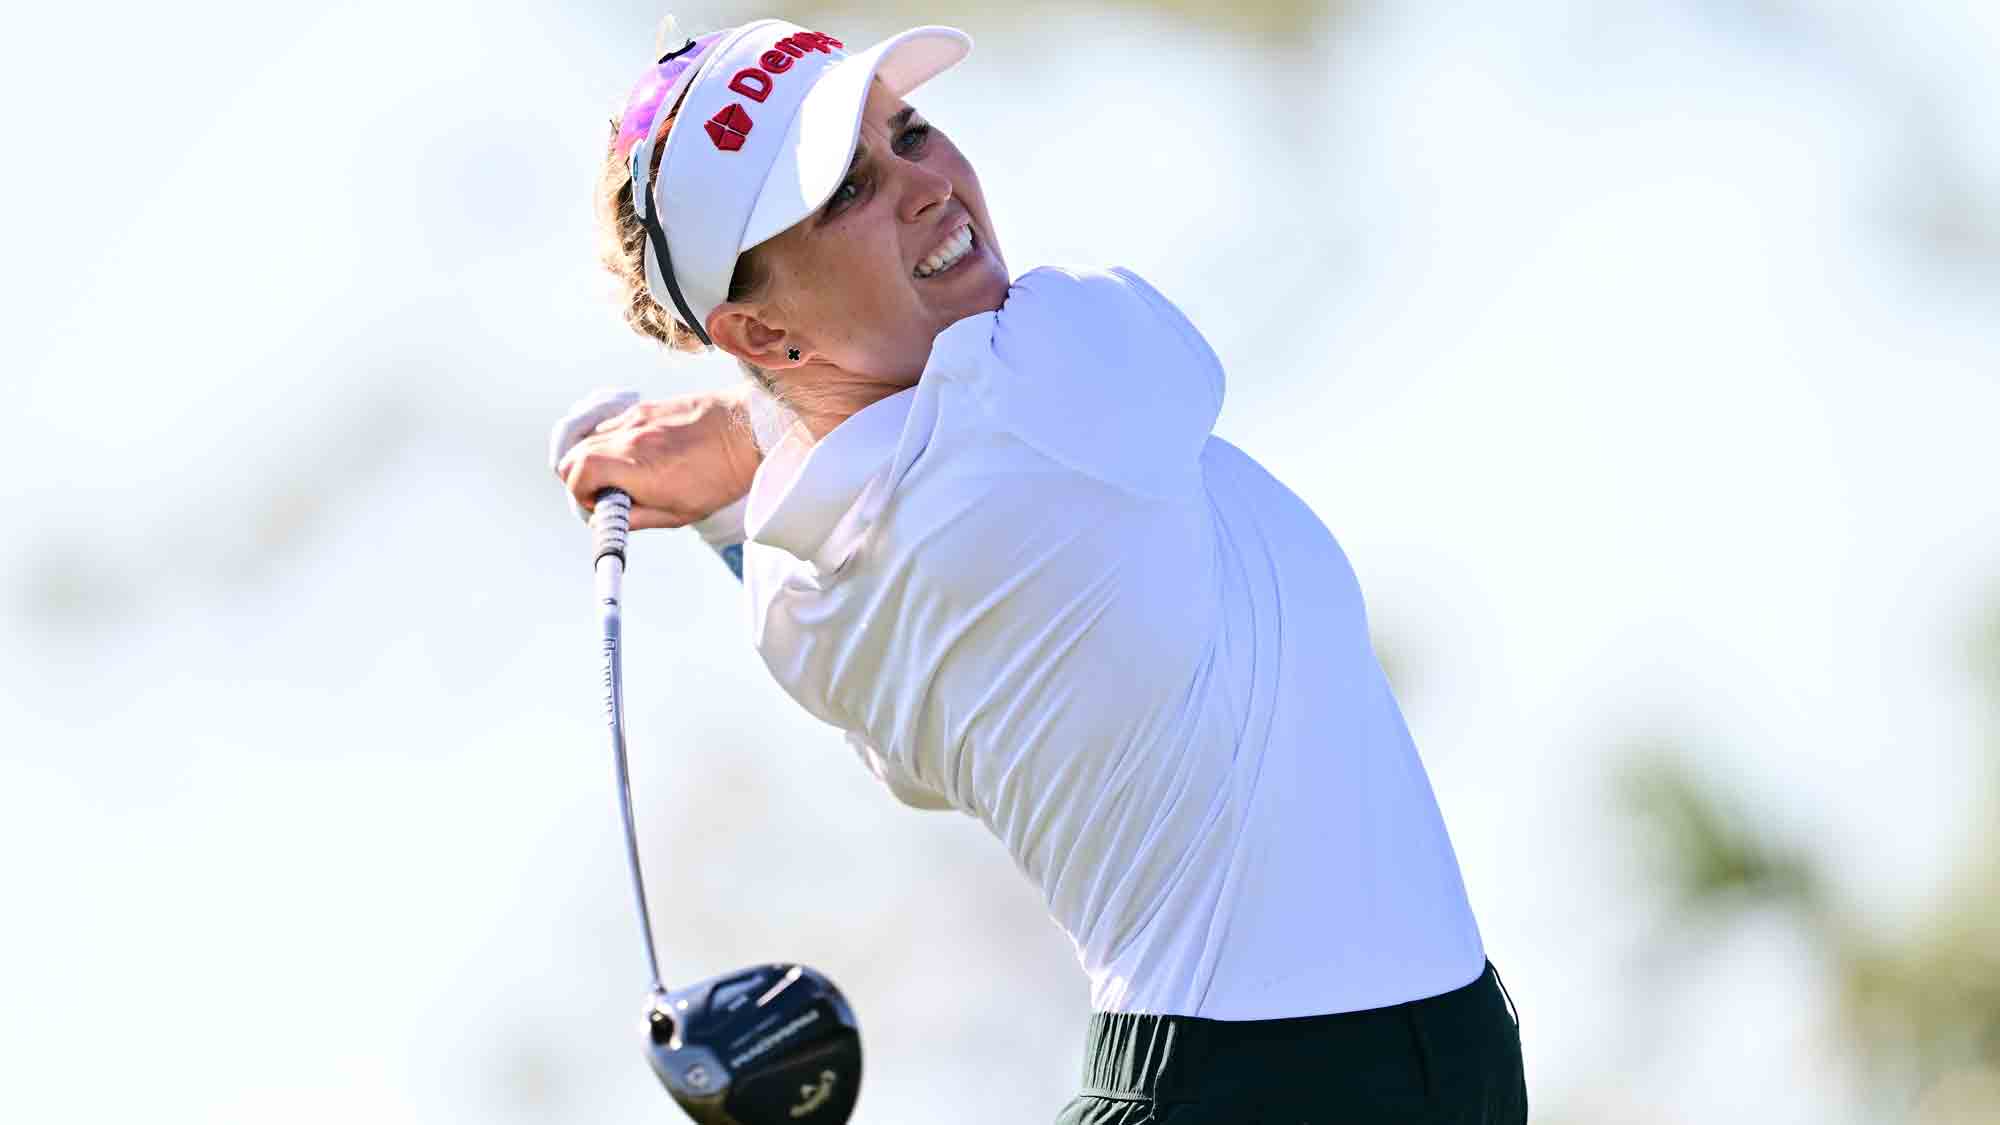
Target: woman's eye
(843, 195)
(913, 138)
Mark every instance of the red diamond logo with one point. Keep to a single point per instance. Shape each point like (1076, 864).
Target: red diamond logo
(729, 128)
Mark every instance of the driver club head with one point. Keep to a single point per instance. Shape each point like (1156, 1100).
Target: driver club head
(757, 1046)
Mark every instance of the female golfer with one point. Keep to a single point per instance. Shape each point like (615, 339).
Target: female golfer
(993, 540)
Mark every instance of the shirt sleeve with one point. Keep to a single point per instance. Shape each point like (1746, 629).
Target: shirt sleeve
(905, 788)
(1098, 371)
(723, 532)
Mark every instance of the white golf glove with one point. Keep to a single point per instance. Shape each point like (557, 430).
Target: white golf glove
(589, 412)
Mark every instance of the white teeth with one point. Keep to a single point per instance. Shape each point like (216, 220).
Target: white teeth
(947, 254)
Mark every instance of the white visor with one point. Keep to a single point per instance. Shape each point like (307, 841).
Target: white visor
(763, 138)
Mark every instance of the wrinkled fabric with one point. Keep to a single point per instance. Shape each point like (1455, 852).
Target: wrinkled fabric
(1037, 589)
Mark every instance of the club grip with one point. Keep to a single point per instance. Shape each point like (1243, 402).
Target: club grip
(610, 524)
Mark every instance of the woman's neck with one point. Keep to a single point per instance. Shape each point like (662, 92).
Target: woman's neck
(827, 396)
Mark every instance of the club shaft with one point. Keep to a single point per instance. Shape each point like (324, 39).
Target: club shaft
(610, 522)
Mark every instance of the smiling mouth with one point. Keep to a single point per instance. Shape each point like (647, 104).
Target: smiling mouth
(955, 248)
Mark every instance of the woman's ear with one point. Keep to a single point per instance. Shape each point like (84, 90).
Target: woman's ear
(736, 328)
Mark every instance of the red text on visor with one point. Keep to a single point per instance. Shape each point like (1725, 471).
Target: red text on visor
(728, 128)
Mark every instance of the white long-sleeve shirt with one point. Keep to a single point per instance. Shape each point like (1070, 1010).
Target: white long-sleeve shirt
(1035, 589)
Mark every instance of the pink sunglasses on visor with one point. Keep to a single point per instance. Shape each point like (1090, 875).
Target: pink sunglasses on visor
(639, 129)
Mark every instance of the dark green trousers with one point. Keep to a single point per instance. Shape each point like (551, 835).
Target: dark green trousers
(1453, 1059)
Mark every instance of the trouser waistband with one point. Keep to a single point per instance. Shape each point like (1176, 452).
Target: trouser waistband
(1168, 1058)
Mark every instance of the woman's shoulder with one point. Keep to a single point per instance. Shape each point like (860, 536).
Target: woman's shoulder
(1064, 315)
(1078, 291)
(1094, 368)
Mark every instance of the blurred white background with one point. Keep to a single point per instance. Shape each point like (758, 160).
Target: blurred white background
(1643, 354)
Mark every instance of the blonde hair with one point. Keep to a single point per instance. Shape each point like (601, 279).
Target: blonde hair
(622, 251)
(774, 408)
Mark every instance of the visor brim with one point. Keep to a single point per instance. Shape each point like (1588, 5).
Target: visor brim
(819, 145)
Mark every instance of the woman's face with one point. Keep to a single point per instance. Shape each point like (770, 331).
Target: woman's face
(867, 281)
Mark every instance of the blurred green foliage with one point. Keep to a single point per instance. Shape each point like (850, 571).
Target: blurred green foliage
(1919, 1007)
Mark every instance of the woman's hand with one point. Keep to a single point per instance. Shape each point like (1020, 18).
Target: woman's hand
(680, 459)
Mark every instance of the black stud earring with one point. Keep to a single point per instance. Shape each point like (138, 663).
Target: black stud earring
(793, 353)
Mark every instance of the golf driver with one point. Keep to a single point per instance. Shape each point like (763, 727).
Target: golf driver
(758, 1046)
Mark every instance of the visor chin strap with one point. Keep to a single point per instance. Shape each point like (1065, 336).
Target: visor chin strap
(658, 238)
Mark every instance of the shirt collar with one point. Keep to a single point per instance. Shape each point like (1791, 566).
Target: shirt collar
(813, 499)
(804, 488)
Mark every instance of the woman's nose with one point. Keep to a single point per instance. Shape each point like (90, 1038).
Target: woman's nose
(923, 189)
